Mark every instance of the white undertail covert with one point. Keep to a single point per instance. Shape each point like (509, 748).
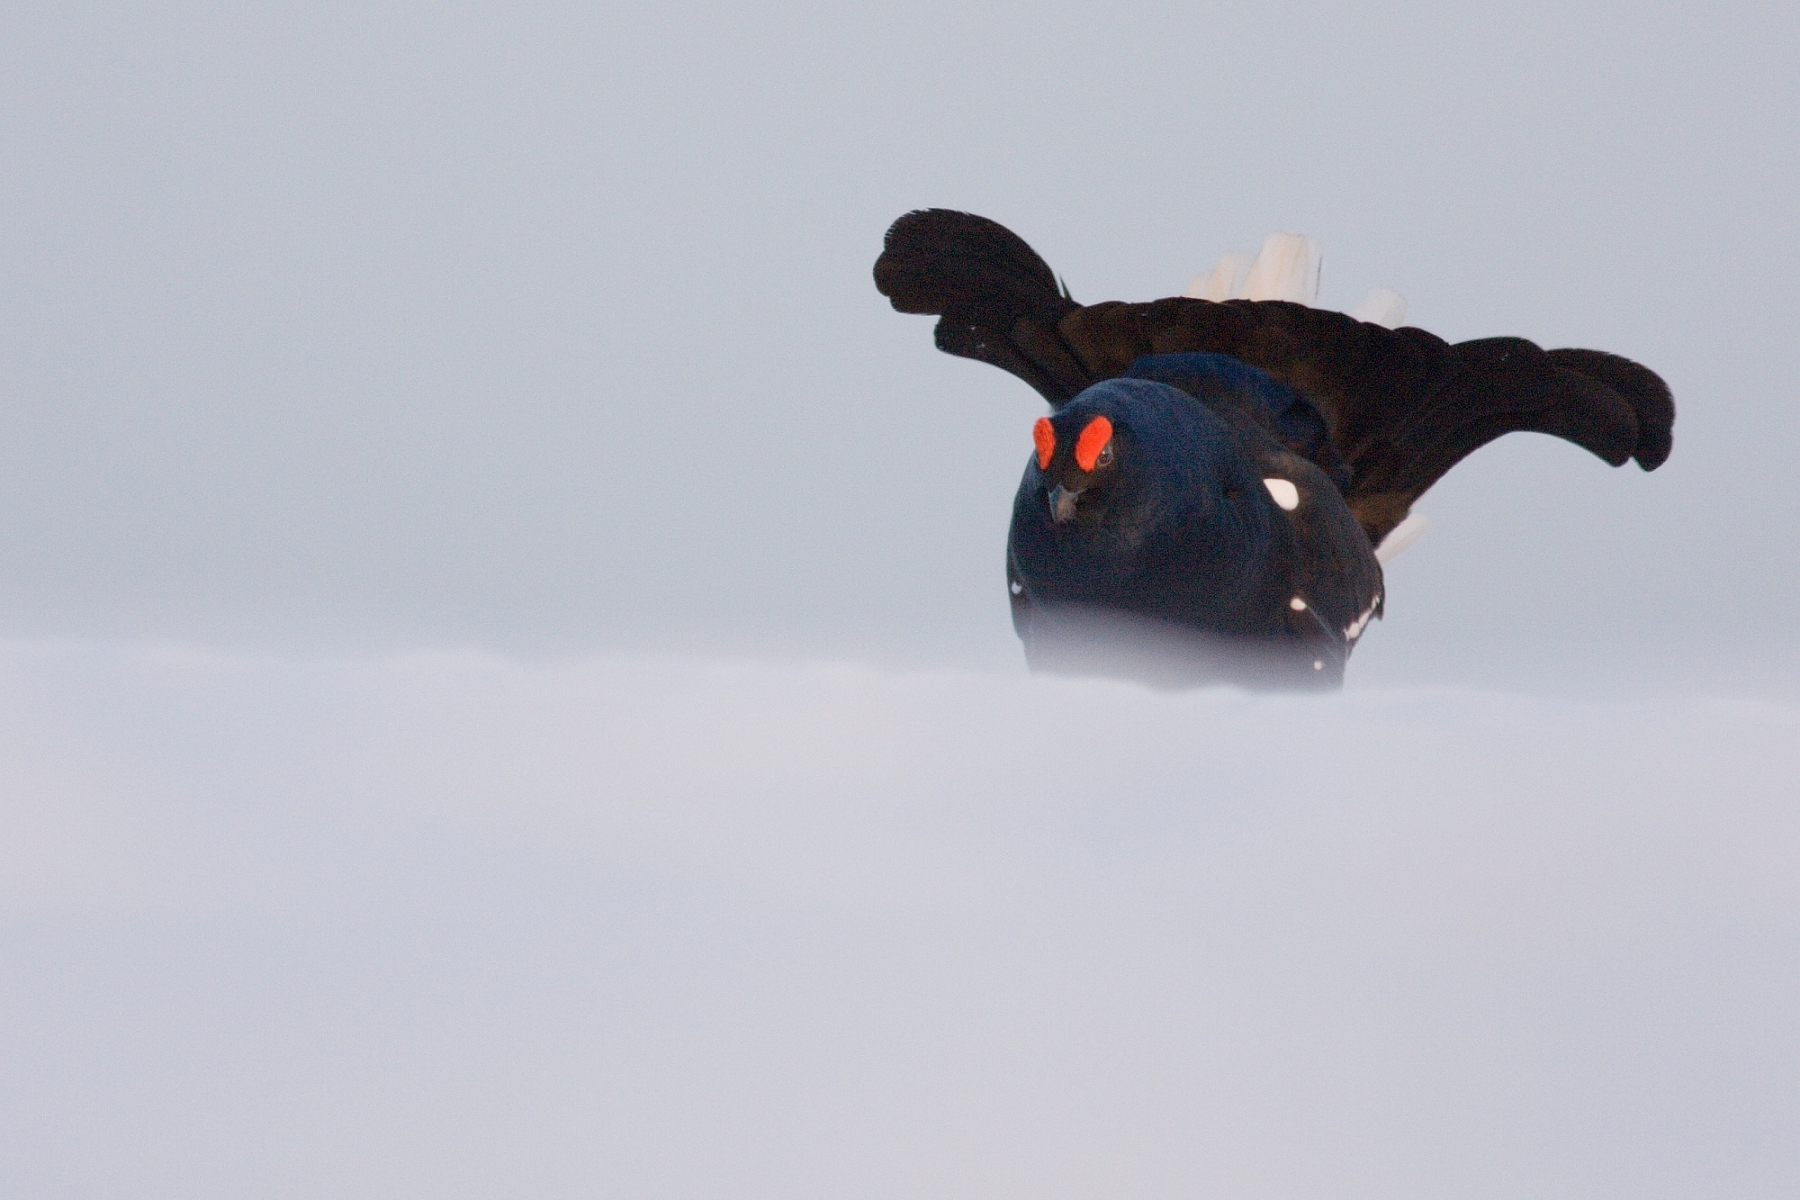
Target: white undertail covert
(1288, 268)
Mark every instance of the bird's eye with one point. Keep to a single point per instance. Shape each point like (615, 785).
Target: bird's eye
(1105, 458)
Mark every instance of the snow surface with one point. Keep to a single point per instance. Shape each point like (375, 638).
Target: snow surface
(454, 926)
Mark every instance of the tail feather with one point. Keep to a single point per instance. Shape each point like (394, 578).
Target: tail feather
(1222, 282)
(1501, 385)
(1286, 268)
(1383, 306)
(935, 259)
(998, 301)
(1641, 387)
(1401, 406)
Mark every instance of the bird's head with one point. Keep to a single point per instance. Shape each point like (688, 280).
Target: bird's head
(1078, 456)
(1131, 471)
(1114, 460)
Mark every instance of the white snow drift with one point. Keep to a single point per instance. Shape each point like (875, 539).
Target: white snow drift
(452, 927)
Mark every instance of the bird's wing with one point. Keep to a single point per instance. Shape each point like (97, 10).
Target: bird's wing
(1402, 406)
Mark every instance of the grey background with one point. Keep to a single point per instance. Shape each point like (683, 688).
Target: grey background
(548, 329)
(505, 682)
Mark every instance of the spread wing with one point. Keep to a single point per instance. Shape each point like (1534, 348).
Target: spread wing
(1402, 406)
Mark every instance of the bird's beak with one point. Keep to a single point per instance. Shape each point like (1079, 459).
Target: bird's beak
(1062, 503)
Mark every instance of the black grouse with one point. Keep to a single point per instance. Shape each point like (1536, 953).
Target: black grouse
(1205, 501)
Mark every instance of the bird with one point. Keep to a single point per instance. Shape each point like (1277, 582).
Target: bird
(1219, 480)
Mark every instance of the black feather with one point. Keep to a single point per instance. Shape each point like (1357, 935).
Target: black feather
(999, 302)
(1169, 558)
(935, 259)
(1257, 451)
(1641, 387)
(1402, 406)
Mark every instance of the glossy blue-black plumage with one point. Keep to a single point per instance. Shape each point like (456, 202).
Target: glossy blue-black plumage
(1181, 548)
(1228, 382)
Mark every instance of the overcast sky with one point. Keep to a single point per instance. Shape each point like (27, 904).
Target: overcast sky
(505, 679)
(549, 328)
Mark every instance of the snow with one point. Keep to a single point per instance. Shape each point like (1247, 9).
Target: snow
(456, 926)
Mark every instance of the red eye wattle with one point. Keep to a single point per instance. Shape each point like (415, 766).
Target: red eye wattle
(1092, 441)
(1045, 437)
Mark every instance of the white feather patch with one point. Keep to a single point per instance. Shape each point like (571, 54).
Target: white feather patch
(1219, 283)
(1287, 268)
(1400, 537)
(1383, 306)
(1285, 493)
(1355, 628)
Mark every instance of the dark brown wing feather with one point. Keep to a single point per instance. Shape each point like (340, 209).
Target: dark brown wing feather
(998, 300)
(1402, 405)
